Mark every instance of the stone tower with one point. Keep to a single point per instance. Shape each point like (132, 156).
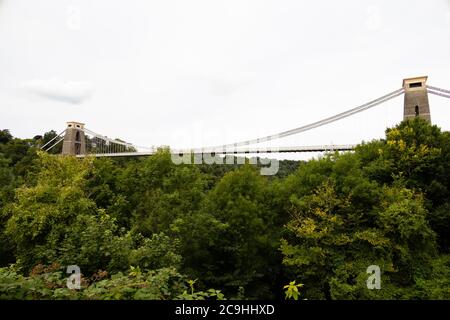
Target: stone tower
(416, 99)
(74, 139)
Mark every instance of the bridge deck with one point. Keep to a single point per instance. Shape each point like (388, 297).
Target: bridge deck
(323, 148)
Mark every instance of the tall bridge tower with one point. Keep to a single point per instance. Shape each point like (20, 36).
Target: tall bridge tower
(74, 139)
(416, 99)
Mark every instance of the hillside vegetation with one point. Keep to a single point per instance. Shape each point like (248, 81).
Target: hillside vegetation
(149, 229)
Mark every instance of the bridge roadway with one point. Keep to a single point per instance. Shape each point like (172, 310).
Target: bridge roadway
(321, 148)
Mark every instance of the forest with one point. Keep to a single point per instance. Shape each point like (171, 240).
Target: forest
(146, 228)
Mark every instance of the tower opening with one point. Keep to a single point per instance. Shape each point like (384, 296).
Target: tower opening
(415, 85)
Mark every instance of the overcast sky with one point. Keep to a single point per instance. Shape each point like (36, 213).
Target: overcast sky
(195, 73)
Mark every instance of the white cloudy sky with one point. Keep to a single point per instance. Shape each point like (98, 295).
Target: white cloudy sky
(191, 73)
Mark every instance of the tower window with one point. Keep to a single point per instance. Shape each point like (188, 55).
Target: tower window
(415, 85)
(417, 111)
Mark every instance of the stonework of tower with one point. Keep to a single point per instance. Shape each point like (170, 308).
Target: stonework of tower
(416, 99)
(74, 139)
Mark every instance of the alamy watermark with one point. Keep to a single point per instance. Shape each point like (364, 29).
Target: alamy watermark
(229, 154)
(268, 166)
(74, 280)
(374, 18)
(73, 17)
(374, 280)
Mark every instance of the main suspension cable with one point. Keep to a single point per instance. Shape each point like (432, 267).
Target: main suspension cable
(48, 149)
(316, 124)
(439, 94)
(438, 89)
(53, 139)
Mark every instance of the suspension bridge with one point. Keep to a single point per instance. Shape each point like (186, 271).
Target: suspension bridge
(77, 140)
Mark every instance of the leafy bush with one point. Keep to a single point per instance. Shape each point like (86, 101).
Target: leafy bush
(51, 283)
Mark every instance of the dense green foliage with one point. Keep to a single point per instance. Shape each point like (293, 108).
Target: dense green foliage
(144, 228)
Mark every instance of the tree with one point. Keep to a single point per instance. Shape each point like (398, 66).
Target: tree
(242, 250)
(418, 154)
(342, 221)
(103, 187)
(8, 183)
(5, 136)
(56, 221)
(158, 192)
(41, 214)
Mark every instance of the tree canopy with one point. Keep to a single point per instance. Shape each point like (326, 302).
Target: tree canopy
(146, 228)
